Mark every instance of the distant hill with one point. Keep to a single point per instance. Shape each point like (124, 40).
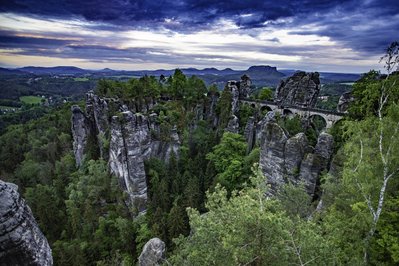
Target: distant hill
(6, 71)
(260, 75)
(59, 70)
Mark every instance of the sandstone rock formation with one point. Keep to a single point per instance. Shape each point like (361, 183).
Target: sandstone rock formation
(284, 159)
(344, 101)
(21, 241)
(301, 90)
(294, 151)
(250, 133)
(314, 163)
(153, 253)
(129, 134)
(81, 131)
(125, 140)
(245, 86)
(272, 154)
(233, 86)
(233, 125)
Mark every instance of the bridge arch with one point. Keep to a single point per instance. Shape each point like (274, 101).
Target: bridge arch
(289, 113)
(319, 122)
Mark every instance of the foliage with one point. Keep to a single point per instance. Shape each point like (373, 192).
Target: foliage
(265, 94)
(249, 229)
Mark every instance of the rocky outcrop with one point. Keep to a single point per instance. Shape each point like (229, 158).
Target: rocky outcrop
(294, 150)
(301, 90)
(245, 86)
(129, 139)
(271, 161)
(233, 125)
(250, 133)
(284, 159)
(81, 132)
(21, 241)
(153, 253)
(125, 140)
(98, 109)
(233, 86)
(344, 101)
(315, 163)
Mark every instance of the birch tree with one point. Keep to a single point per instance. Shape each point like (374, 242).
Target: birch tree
(373, 149)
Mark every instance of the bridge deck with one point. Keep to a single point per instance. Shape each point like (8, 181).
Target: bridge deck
(316, 110)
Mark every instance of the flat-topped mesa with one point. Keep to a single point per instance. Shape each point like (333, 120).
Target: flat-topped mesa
(301, 89)
(21, 241)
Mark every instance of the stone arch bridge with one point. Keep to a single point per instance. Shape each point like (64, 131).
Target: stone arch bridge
(330, 117)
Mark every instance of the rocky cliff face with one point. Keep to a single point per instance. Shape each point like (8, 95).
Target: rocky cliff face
(21, 241)
(284, 159)
(125, 140)
(129, 135)
(81, 131)
(301, 89)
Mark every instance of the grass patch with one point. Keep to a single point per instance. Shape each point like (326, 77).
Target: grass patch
(30, 99)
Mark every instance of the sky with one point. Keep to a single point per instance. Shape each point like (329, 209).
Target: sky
(326, 35)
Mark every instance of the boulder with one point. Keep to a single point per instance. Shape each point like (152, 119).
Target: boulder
(153, 253)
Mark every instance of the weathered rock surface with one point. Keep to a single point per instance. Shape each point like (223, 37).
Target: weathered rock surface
(153, 253)
(301, 89)
(284, 159)
(344, 101)
(245, 86)
(129, 138)
(125, 140)
(21, 241)
(315, 163)
(100, 117)
(233, 125)
(235, 94)
(250, 133)
(294, 151)
(81, 131)
(272, 154)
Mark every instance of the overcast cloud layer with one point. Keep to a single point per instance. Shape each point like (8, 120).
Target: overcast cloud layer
(341, 36)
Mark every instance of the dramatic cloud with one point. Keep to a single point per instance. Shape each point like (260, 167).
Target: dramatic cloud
(311, 35)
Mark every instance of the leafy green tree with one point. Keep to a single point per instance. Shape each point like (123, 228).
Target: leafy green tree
(265, 94)
(249, 229)
(228, 157)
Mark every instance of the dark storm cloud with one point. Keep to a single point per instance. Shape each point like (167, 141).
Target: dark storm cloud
(10, 41)
(189, 13)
